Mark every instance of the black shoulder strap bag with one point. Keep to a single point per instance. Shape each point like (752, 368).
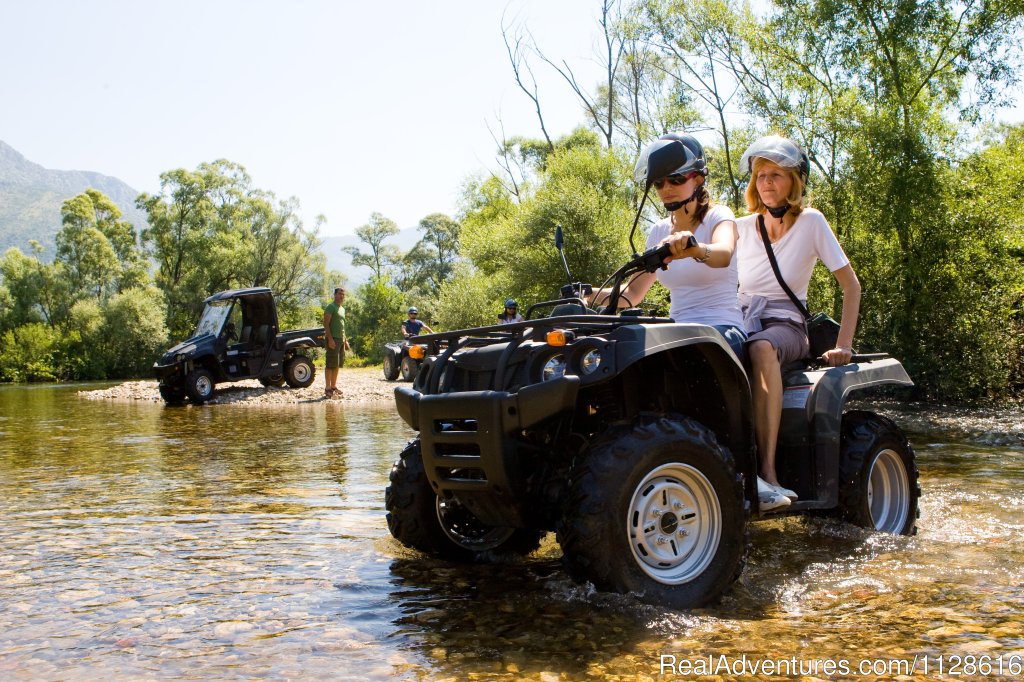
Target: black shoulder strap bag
(822, 330)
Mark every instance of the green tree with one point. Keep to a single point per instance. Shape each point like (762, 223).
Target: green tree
(381, 257)
(374, 318)
(431, 262)
(210, 229)
(98, 248)
(585, 189)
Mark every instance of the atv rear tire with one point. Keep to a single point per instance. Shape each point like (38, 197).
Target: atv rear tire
(878, 486)
(275, 381)
(419, 519)
(390, 367)
(409, 368)
(657, 509)
(299, 372)
(199, 386)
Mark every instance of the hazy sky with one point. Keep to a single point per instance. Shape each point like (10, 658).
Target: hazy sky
(352, 107)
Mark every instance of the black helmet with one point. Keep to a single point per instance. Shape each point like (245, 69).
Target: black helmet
(511, 303)
(695, 160)
(779, 150)
(413, 310)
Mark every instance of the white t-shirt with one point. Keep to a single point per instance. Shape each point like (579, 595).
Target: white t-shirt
(809, 239)
(700, 293)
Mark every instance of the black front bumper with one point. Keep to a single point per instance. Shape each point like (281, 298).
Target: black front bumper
(469, 442)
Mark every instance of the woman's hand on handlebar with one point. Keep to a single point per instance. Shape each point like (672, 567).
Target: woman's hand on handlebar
(681, 244)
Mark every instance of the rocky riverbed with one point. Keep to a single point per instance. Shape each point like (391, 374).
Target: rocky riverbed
(362, 385)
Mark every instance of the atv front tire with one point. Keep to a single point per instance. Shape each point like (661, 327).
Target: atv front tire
(657, 509)
(299, 372)
(878, 486)
(199, 386)
(419, 519)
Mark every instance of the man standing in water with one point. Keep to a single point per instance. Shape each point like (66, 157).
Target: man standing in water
(337, 343)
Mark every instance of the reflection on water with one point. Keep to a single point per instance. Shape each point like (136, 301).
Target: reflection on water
(242, 542)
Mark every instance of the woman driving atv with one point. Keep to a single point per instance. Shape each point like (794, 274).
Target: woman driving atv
(799, 237)
(703, 278)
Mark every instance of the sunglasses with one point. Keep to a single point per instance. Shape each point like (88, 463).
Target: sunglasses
(673, 180)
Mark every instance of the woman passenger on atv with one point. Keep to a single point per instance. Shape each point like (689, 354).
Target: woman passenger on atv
(799, 236)
(702, 279)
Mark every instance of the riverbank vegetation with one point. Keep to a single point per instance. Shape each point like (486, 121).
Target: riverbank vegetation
(892, 100)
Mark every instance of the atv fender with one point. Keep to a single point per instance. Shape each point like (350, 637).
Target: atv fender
(303, 342)
(829, 390)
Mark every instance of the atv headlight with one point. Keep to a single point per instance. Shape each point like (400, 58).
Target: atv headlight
(590, 361)
(554, 368)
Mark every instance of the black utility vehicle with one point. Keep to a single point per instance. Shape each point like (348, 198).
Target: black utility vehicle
(632, 437)
(397, 361)
(237, 338)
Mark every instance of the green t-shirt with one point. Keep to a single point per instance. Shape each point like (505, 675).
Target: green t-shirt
(337, 313)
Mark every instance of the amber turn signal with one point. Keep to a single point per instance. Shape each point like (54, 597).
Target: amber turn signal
(559, 337)
(417, 352)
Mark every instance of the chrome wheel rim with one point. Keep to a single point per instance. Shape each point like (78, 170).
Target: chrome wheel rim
(300, 371)
(674, 523)
(888, 492)
(204, 385)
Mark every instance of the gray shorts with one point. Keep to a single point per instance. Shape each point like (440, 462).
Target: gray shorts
(788, 338)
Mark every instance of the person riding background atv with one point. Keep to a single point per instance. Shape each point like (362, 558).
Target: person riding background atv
(511, 313)
(413, 326)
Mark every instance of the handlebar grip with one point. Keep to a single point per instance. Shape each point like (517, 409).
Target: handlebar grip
(655, 258)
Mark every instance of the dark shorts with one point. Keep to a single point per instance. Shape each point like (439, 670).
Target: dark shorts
(788, 338)
(336, 356)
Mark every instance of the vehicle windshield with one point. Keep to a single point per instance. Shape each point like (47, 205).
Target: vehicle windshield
(213, 318)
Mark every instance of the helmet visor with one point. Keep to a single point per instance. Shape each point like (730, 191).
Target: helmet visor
(778, 150)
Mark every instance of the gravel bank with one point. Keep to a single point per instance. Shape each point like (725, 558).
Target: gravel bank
(1003, 425)
(362, 385)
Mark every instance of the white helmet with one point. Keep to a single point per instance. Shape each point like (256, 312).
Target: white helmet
(780, 151)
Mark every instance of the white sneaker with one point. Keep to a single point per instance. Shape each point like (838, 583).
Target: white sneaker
(785, 491)
(768, 498)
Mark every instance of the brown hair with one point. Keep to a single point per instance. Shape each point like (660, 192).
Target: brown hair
(796, 190)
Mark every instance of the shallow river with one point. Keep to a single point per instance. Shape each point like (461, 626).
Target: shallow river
(138, 541)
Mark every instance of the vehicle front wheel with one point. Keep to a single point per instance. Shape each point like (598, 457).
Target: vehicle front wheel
(172, 394)
(409, 368)
(657, 509)
(299, 372)
(419, 519)
(390, 367)
(878, 486)
(277, 380)
(199, 386)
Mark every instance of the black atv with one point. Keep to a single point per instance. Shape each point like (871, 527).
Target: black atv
(237, 338)
(632, 437)
(397, 361)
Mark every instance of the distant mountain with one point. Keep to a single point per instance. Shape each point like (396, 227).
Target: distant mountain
(337, 260)
(31, 197)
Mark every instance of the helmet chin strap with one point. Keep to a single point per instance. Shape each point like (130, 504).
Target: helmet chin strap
(778, 211)
(676, 205)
